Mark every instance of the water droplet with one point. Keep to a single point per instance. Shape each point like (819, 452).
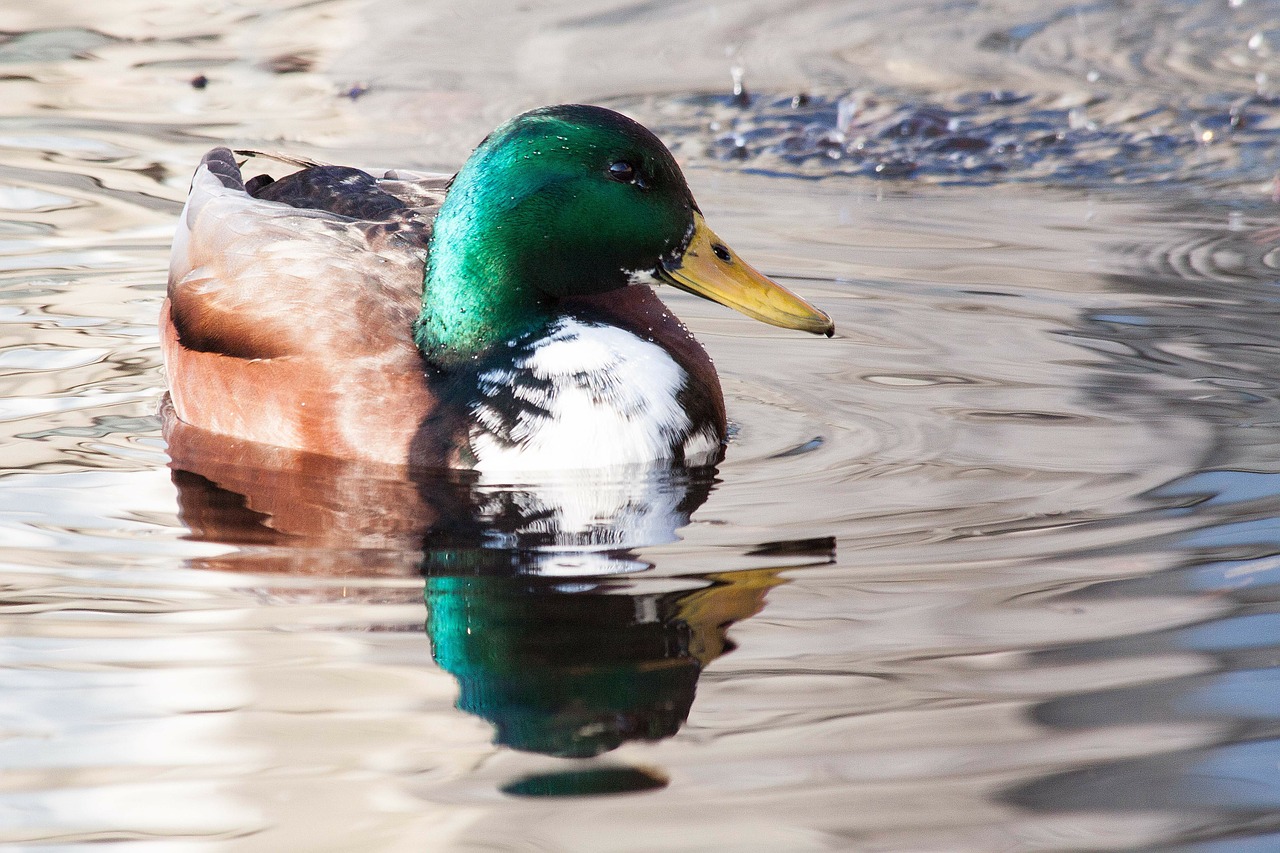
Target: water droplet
(740, 95)
(1078, 120)
(846, 111)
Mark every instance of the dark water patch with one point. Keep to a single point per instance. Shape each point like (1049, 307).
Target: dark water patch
(984, 137)
(1237, 778)
(591, 782)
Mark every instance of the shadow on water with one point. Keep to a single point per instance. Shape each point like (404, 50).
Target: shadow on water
(532, 601)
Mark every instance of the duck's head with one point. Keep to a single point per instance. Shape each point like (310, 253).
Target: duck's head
(571, 201)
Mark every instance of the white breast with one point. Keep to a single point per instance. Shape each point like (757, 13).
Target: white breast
(601, 396)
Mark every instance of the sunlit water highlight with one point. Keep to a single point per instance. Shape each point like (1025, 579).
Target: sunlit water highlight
(993, 569)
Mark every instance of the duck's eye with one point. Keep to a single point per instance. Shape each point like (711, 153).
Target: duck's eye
(622, 171)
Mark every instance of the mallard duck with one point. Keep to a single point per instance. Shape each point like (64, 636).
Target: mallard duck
(498, 320)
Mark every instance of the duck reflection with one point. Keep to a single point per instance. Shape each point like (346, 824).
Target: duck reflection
(532, 601)
(576, 669)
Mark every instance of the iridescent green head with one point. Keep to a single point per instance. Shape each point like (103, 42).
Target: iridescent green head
(559, 202)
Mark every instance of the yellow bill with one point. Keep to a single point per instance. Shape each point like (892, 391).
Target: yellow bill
(710, 269)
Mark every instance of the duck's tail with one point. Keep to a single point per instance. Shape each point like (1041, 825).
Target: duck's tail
(222, 163)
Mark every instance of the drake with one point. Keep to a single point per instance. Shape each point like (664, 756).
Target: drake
(499, 320)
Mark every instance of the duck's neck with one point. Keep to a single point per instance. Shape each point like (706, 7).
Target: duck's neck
(474, 296)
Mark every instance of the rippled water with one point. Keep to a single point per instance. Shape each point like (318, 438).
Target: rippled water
(995, 568)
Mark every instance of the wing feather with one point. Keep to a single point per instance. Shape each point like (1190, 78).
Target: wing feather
(251, 278)
(291, 326)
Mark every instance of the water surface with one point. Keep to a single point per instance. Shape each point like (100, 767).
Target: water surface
(995, 568)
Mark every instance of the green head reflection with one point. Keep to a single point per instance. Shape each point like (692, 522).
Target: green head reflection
(576, 668)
